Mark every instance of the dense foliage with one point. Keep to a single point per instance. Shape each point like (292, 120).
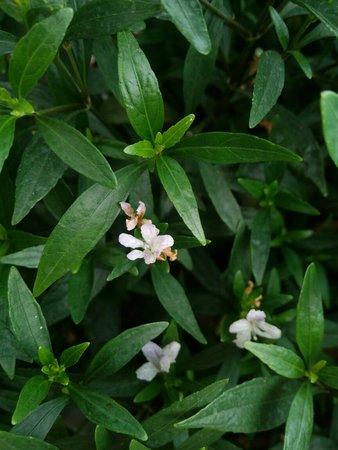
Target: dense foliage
(202, 136)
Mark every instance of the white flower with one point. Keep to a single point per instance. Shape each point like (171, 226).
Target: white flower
(254, 325)
(152, 244)
(159, 359)
(136, 219)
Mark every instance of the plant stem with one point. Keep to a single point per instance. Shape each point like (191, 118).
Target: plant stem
(60, 108)
(75, 68)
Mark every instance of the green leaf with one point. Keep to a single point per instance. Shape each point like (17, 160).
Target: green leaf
(7, 129)
(300, 420)
(29, 257)
(7, 42)
(74, 237)
(77, 151)
(290, 202)
(160, 426)
(104, 17)
(201, 438)
(173, 298)
(139, 88)
(231, 148)
(117, 352)
(188, 18)
(268, 85)
(329, 110)
(38, 173)
(10, 441)
(176, 132)
(303, 63)
(329, 376)
(134, 445)
(36, 50)
(179, 190)
(325, 10)
(34, 391)
(104, 439)
(280, 27)
(102, 410)
(220, 194)
(40, 421)
(79, 290)
(71, 355)
(257, 405)
(310, 320)
(144, 149)
(28, 322)
(282, 360)
(260, 243)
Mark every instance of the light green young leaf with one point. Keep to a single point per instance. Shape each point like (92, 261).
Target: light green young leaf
(31, 395)
(231, 148)
(174, 300)
(303, 63)
(310, 319)
(74, 237)
(176, 132)
(77, 151)
(268, 85)
(326, 11)
(280, 27)
(144, 149)
(79, 290)
(36, 50)
(10, 441)
(300, 420)
(179, 190)
(27, 320)
(71, 355)
(29, 257)
(188, 18)
(7, 129)
(329, 110)
(260, 243)
(256, 405)
(117, 352)
(103, 410)
(282, 360)
(134, 445)
(139, 88)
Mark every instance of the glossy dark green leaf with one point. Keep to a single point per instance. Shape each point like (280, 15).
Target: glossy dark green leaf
(329, 376)
(188, 18)
(303, 63)
(289, 201)
(39, 422)
(221, 196)
(10, 441)
(268, 85)
(104, 17)
(329, 111)
(38, 172)
(176, 132)
(76, 150)
(134, 445)
(36, 50)
(179, 190)
(117, 352)
(7, 128)
(310, 320)
(282, 360)
(28, 322)
(173, 298)
(103, 410)
(139, 88)
(300, 420)
(201, 438)
(74, 237)
(79, 290)
(31, 395)
(71, 355)
(29, 257)
(104, 439)
(326, 11)
(280, 27)
(231, 148)
(260, 243)
(7, 42)
(256, 405)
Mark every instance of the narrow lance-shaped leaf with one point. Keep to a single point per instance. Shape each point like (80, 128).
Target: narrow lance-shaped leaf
(173, 298)
(27, 320)
(260, 243)
(310, 319)
(28, 257)
(280, 27)
(324, 10)
(268, 85)
(7, 129)
(175, 133)
(76, 150)
(7, 42)
(71, 355)
(179, 190)
(10, 441)
(139, 88)
(79, 290)
(74, 237)
(36, 50)
(329, 110)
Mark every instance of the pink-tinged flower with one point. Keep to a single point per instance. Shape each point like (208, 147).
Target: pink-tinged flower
(252, 326)
(152, 244)
(159, 359)
(136, 219)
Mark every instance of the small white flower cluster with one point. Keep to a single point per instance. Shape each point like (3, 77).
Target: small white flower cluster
(153, 246)
(252, 326)
(159, 359)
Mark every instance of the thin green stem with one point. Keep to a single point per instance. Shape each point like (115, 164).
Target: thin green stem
(76, 70)
(60, 108)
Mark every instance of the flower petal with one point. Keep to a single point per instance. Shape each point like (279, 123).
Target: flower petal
(267, 330)
(242, 337)
(127, 209)
(131, 223)
(164, 364)
(239, 326)
(171, 350)
(135, 254)
(149, 232)
(153, 353)
(254, 314)
(147, 372)
(130, 241)
(162, 242)
(149, 258)
(141, 210)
